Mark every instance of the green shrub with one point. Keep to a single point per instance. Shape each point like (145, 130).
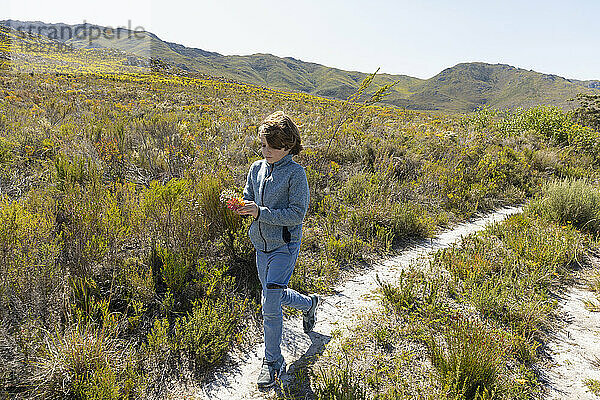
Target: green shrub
(501, 170)
(483, 118)
(570, 202)
(29, 248)
(551, 122)
(593, 385)
(402, 296)
(345, 248)
(86, 307)
(136, 278)
(415, 294)
(87, 363)
(218, 216)
(6, 150)
(80, 209)
(588, 112)
(164, 206)
(409, 220)
(360, 188)
(175, 269)
(208, 331)
(213, 281)
(339, 384)
(585, 139)
(468, 365)
(159, 347)
(555, 124)
(383, 225)
(68, 171)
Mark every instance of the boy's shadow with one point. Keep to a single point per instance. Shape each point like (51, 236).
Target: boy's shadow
(296, 382)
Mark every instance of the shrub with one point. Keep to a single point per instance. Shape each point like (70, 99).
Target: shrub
(386, 224)
(402, 296)
(415, 295)
(345, 248)
(80, 210)
(208, 331)
(87, 363)
(555, 124)
(551, 122)
(588, 112)
(165, 206)
(29, 248)
(159, 348)
(569, 202)
(360, 188)
(586, 139)
(7, 149)
(468, 366)
(219, 217)
(68, 171)
(499, 171)
(593, 385)
(339, 384)
(87, 307)
(175, 269)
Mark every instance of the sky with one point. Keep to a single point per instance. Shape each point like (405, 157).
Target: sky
(415, 38)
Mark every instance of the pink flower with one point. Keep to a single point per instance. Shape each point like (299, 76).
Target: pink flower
(234, 203)
(231, 199)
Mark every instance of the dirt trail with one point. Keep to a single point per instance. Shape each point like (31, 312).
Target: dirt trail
(338, 311)
(575, 349)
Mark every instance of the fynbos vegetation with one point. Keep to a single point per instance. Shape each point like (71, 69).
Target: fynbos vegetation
(121, 270)
(473, 323)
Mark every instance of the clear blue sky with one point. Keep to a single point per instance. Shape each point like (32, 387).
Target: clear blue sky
(416, 38)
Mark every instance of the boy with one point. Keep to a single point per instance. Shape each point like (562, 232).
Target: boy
(277, 196)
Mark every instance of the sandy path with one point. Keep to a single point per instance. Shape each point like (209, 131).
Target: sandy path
(338, 311)
(575, 348)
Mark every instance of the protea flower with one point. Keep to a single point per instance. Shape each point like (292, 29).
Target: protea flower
(231, 199)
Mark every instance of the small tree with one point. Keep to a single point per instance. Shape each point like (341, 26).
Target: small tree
(351, 107)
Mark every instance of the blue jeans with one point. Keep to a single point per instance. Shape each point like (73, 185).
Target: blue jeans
(274, 271)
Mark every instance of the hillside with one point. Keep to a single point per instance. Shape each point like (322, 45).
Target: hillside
(461, 88)
(469, 85)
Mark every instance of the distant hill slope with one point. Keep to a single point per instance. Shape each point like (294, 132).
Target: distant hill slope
(469, 85)
(461, 88)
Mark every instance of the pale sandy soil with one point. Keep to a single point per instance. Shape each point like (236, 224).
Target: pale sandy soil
(575, 348)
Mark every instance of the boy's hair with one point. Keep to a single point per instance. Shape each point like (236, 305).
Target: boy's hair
(281, 132)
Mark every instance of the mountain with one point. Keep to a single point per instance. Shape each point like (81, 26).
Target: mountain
(469, 85)
(461, 88)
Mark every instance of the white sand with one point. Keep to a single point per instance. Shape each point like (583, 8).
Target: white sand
(575, 348)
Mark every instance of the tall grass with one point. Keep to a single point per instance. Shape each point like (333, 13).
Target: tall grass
(339, 385)
(86, 363)
(471, 360)
(570, 202)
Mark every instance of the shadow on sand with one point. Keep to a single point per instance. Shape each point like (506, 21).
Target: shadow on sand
(295, 384)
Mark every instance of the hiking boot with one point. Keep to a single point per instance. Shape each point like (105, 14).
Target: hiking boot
(270, 371)
(310, 317)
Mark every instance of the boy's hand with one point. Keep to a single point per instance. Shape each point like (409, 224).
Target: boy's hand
(249, 208)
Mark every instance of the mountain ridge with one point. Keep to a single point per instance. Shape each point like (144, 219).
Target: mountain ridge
(460, 88)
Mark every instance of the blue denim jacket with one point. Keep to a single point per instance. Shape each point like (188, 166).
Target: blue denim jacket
(280, 190)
